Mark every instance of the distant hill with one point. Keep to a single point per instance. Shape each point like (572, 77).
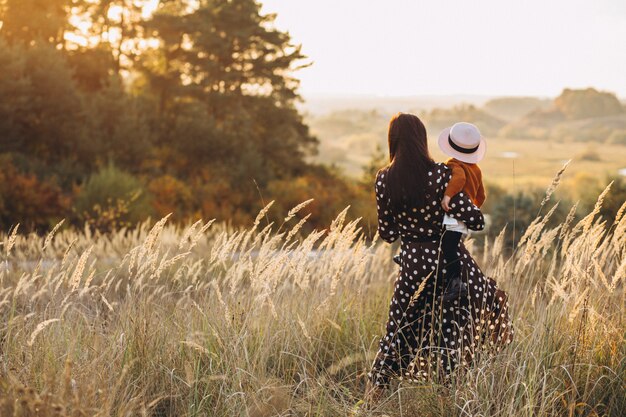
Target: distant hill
(552, 125)
(349, 141)
(587, 103)
(512, 108)
(350, 130)
(438, 119)
(586, 115)
(324, 104)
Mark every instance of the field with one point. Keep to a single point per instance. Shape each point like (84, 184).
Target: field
(532, 163)
(207, 320)
(509, 162)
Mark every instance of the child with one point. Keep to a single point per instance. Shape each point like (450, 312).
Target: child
(464, 143)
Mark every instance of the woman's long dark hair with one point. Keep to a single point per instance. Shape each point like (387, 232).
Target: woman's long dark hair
(407, 177)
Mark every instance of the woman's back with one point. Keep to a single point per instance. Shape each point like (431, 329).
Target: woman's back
(424, 221)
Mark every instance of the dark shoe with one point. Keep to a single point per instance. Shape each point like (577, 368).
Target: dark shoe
(396, 259)
(455, 289)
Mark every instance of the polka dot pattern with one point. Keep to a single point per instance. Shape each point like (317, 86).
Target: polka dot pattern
(425, 336)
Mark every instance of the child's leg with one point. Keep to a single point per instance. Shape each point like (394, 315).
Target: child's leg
(450, 246)
(454, 287)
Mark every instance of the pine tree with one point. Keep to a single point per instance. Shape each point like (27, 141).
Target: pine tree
(223, 61)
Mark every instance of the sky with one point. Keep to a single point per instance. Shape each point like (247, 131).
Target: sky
(450, 47)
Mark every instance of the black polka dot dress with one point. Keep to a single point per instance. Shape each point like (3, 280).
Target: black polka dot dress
(425, 337)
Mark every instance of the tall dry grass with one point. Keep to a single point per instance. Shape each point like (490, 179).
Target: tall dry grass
(208, 320)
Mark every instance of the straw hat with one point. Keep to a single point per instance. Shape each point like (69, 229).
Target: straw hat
(464, 142)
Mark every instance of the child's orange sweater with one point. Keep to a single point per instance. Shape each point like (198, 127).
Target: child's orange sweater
(467, 178)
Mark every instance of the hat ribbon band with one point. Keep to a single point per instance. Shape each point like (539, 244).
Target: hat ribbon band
(459, 149)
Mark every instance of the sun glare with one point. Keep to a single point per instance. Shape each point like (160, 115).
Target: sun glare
(149, 8)
(82, 37)
(115, 13)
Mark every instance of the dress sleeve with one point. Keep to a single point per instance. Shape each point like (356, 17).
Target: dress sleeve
(462, 208)
(387, 227)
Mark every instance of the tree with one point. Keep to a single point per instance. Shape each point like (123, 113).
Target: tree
(195, 102)
(42, 115)
(223, 48)
(119, 125)
(92, 67)
(30, 21)
(116, 26)
(378, 160)
(224, 62)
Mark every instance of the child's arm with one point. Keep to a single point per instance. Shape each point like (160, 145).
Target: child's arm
(480, 195)
(455, 185)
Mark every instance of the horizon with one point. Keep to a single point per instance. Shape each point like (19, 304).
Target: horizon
(318, 95)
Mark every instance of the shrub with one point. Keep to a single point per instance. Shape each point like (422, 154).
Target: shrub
(516, 211)
(612, 202)
(34, 203)
(331, 194)
(617, 137)
(112, 198)
(171, 195)
(218, 199)
(589, 154)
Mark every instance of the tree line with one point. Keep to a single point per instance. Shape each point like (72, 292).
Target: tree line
(115, 110)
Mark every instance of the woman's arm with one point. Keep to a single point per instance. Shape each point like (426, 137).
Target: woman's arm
(387, 227)
(462, 208)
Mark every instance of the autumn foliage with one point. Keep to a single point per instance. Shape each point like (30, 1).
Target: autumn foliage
(110, 112)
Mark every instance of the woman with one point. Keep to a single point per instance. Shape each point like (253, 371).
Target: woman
(425, 336)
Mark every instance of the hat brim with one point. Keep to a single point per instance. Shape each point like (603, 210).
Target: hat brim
(470, 158)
